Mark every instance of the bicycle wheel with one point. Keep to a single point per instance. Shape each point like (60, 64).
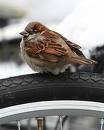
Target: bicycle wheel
(45, 94)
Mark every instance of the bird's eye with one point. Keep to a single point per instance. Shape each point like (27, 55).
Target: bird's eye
(35, 31)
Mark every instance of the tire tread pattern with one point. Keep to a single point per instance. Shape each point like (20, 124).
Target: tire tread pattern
(40, 87)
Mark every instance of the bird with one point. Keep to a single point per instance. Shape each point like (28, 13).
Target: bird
(45, 50)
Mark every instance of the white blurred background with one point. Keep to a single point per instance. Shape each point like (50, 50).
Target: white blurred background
(81, 21)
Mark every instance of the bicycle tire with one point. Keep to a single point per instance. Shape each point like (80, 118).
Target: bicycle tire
(47, 87)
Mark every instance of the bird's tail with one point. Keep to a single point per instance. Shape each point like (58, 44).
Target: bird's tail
(82, 60)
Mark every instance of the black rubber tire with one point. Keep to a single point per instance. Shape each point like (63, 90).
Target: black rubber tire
(48, 87)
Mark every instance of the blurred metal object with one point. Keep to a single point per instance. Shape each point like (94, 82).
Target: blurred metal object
(102, 124)
(19, 125)
(98, 55)
(40, 123)
(3, 22)
(61, 122)
(29, 124)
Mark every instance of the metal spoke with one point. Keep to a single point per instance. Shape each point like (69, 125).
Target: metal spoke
(61, 122)
(29, 124)
(102, 124)
(40, 123)
(19, 125)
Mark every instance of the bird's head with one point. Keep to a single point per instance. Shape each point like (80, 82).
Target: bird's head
(32, 30)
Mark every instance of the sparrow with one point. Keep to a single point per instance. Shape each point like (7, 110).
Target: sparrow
(45, 50)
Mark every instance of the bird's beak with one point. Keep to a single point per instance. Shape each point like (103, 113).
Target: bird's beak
(24, 33)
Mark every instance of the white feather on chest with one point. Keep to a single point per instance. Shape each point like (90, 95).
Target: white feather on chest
(32, 62)
(38, 65)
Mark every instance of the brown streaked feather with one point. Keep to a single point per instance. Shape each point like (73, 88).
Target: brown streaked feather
(72, 45)
(48, 57)
(30, 52)
(69, 43)
(31, 48)
(45, 50)
(41, 55)
(82, 60)
(55, 51)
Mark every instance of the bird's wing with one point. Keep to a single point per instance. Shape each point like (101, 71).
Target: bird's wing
(73, 46)
(46, 49)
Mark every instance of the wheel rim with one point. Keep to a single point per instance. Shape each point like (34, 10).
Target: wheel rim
(51, 108)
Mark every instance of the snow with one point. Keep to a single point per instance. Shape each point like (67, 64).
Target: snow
(51, 10)
(85, 25)
(11, 69)
(43, 10)
(82, 21)
(12, 31)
